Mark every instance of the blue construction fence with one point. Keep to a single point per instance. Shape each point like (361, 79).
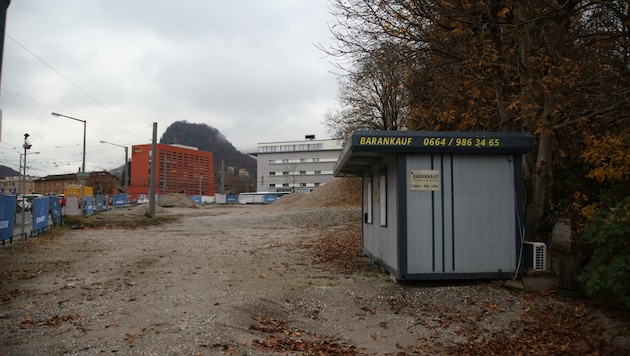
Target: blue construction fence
(46, 212)
(247, 198)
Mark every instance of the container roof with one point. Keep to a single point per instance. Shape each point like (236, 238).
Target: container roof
(364, 149)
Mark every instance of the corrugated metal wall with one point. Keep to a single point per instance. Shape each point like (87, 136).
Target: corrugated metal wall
(468, 226)
(380, 234)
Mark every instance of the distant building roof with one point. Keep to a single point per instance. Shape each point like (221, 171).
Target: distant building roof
(69, 176)
(65, 176)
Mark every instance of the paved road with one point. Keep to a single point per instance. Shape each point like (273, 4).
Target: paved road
(28, 225)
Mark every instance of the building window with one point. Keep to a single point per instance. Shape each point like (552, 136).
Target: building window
(318, 171)
(302, 172)
(272, 161)
(317, 184)
(285, 184)
(285, 161)
(272, 173)
(285, 173)
(302, 184)
(315, 159)
(272, 185)
(302, 160)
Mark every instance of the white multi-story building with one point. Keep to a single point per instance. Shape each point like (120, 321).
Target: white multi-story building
(292, 166)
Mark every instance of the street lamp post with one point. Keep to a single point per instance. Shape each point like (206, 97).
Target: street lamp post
(23, 163)
(125, 169)
(83, 209)
(23, 188)
(27, 146)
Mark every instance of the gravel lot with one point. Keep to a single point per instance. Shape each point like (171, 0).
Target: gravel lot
(285, 278)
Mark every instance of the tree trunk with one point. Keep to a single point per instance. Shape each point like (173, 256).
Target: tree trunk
(538, 202)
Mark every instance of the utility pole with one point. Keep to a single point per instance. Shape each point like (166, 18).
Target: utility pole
(153, 176)
(222, 174)
(4, 5)
(27, 146)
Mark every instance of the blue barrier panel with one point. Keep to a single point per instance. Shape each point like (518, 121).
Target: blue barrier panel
(89, 205)
(270, 198)
(231, 199)
(7, 216)
(55, 211)
(40, 213)
(120, 200)
(100, 202)
(196, 198)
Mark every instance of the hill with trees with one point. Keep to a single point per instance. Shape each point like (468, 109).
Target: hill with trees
(8, 172)
(209, 139)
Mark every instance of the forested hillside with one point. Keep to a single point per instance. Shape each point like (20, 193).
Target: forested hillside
(209, 139)
(8, 172)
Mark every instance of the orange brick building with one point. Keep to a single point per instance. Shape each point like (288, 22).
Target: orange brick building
(180, 169)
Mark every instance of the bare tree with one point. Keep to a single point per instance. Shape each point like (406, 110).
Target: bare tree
(373, 96)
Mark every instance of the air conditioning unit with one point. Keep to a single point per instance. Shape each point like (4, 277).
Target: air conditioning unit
(535, 255)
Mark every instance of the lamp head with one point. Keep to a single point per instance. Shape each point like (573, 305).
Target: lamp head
(27, 145)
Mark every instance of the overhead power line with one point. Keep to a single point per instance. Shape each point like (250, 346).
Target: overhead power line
(71, 82)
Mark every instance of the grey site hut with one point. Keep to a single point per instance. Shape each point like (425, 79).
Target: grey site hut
(440, 205)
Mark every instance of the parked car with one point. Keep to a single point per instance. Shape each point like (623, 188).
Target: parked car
(26, 200)
(24, 203)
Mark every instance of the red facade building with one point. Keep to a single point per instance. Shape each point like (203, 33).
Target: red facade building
(180, 169)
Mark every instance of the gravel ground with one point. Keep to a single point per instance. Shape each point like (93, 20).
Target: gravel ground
(285, 278)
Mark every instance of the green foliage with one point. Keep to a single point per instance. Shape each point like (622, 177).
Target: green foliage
(607, 275)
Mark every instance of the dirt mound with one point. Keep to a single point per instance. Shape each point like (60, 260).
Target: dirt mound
(143, 209)
(176, 201)
(341, 192)
(289, 199)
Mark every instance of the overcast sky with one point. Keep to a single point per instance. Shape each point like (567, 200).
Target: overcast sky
(249, 68)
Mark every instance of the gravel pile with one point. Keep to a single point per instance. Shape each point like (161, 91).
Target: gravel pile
(341, 192)
(177, 201)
